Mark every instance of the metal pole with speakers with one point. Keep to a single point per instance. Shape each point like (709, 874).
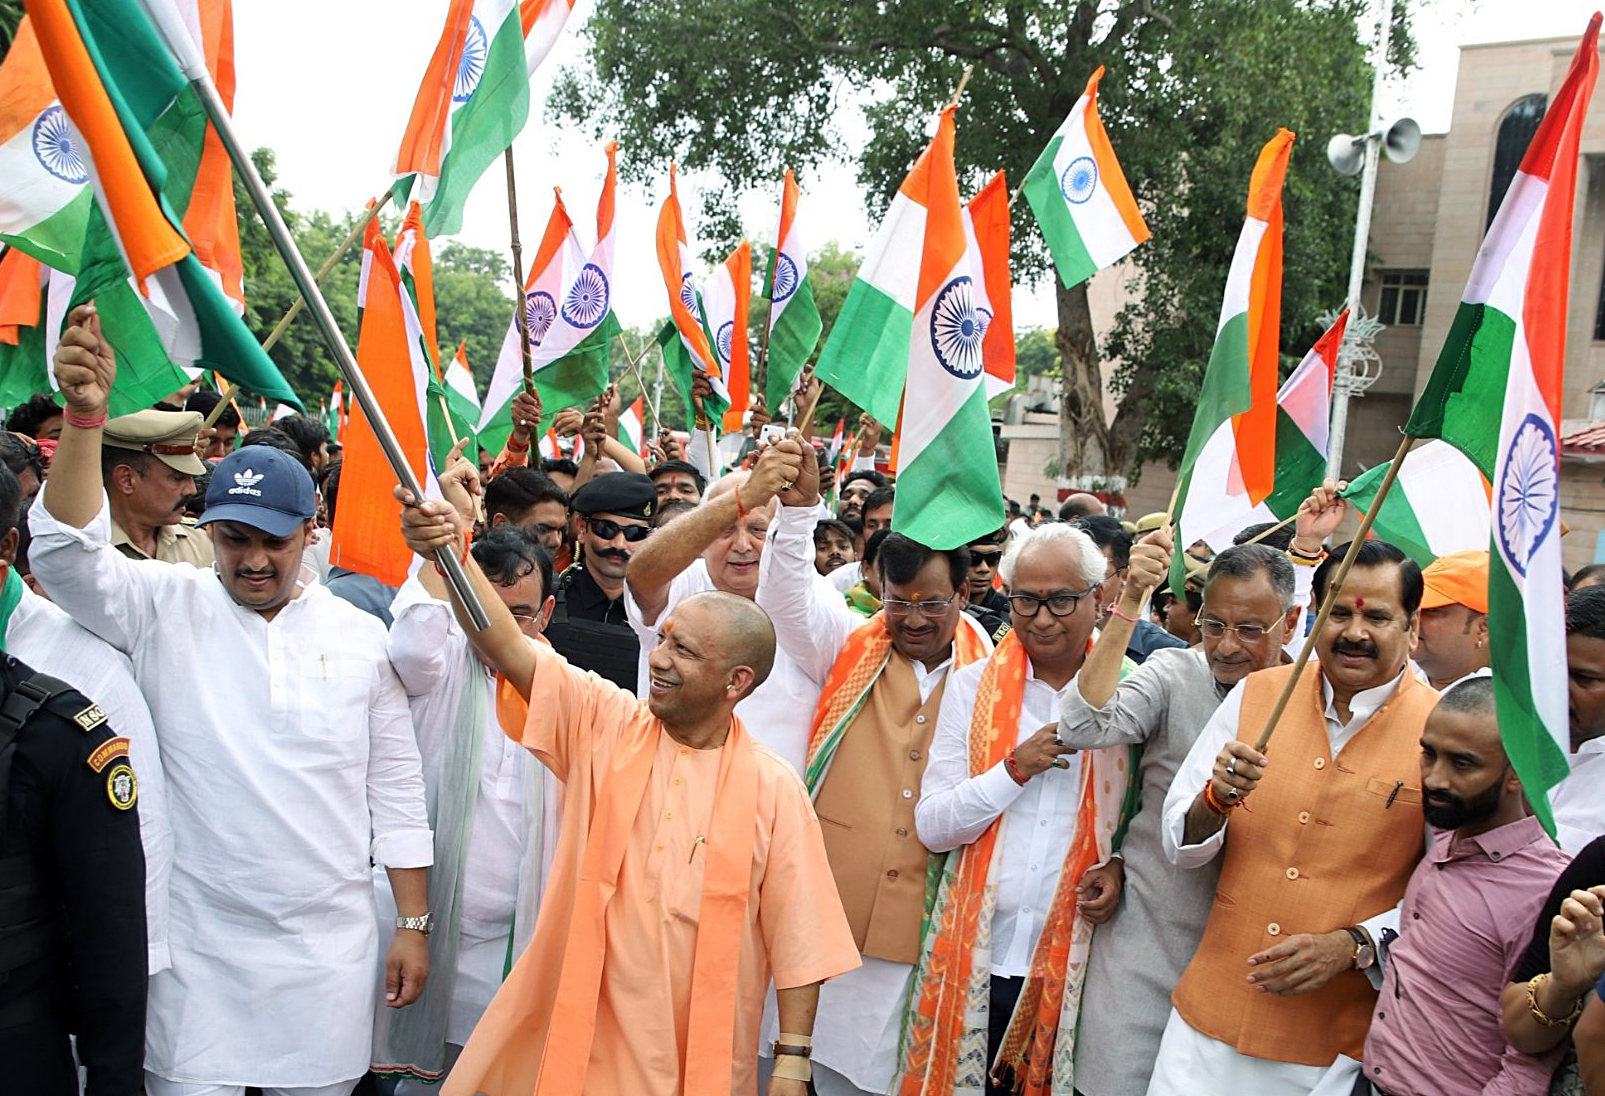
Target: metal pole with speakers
(1351, 155)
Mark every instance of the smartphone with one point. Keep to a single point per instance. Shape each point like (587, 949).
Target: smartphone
(771, 433)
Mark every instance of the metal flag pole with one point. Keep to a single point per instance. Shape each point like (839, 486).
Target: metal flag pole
(344, 360)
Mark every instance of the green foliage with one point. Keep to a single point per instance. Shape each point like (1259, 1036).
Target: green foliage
(740, 90)
(471, 305)
(10, 16)
(1036, 354)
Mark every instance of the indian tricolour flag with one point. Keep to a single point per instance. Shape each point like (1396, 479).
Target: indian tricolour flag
(461, 393)
(1495, 394)
(794, 323)
(416, 273)
(1239, 389)
(1079, 195)
(986, 227)
(1217, 505)
(122, 69)
(45, 203)
(473, 100)
(687, 342)
(1439, 503)
(866, 356)
(947, 483)
(568, 314)
(632, 427)
(728, 300)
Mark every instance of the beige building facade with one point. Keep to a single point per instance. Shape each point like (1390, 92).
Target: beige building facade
(1429, 220)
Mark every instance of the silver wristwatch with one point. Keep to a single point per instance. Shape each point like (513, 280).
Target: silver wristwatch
(422, 923)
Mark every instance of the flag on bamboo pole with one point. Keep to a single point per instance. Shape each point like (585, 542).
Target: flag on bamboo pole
(728, 301)
(568, 311)
(416, 272)
(794, 323)
(687, 342)
(836, 441)
(986, 224)
(1217, 505)
(1495, 394)
(45, 203)
(632, 426)
(366, 537)
(461, 394)
(1439, 503)
(1239, 389)
(141, 134)
(947, 483)
(472, 102)
(1087, 213)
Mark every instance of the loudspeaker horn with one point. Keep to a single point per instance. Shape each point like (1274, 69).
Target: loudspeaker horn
(1402, 140)
(1346, 153)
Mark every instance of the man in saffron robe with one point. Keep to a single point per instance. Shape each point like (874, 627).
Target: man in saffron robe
(689, 871)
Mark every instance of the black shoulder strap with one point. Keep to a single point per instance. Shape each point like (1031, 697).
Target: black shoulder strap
(19, 706)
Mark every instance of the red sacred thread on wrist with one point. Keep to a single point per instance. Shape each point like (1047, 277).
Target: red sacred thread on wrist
(468, 540)
(1013, 768)
(1214, 804)
(1114, 610)
(82, 424)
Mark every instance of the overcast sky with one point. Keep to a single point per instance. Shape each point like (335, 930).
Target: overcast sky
(328, 85)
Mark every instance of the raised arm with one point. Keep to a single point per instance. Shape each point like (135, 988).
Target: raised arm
(85, 370)
(1100, 674)
(662, 557)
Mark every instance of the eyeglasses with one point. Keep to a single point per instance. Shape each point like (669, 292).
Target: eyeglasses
(524, 619)
(1060, 605)
(989, 559)
(607, 530)
(924, 608)
(1214, 629)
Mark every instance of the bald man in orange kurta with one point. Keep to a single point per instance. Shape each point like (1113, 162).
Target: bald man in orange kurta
(690, 870)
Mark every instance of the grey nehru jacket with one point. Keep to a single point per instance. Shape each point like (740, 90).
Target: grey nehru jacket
(1139, 955)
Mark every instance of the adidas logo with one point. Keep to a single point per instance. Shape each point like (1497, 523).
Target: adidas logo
(246, 481)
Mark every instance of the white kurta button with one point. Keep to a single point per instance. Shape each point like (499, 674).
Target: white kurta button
(919, 719)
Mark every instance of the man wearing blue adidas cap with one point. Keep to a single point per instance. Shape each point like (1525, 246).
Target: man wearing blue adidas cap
(290, 760)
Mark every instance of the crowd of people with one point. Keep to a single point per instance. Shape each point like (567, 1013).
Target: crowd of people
(741, 789)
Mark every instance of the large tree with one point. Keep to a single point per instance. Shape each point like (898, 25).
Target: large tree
(743, 89)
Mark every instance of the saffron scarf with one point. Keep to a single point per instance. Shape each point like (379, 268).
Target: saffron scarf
(726, 889)
(945, 1032)
(856, 669)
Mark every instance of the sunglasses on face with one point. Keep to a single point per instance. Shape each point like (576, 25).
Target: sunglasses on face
(607, 530)
(984, 559)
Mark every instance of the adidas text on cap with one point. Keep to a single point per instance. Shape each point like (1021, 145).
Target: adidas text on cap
(261, 487)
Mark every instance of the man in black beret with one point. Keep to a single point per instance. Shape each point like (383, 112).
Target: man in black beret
(613, 513)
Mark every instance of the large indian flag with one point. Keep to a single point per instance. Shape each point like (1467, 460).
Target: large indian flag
(1495, 393)
(1217, 498)
(121, 69)
(794, 323)
(1239, 390)
(1439, 502)
(947, 484)
(1087, 213)
(728, 301)
(687, 341)
(45, 203)
(568, 315)
(473, 100)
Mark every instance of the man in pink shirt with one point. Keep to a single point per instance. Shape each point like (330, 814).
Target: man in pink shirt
(1466, 918)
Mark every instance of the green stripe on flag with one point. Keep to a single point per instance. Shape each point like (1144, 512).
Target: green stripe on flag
(56, 240)
(1464, 398)
(1070, 255)
(1528, 743)
(1396, 522)
(1226, 389)
(23, 369)
(948, 494)
(795, 335)
(866, 356)
(576, 377)
(1300, 467)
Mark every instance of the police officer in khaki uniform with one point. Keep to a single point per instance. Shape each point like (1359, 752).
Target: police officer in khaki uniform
(72, 893)
(588, 625)
(148, 462)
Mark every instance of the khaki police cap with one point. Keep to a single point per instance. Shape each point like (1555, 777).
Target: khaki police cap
(1149, 522)
(169, 436)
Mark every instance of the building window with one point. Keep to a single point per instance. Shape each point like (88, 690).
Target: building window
(1404, 298)
(1516, 131)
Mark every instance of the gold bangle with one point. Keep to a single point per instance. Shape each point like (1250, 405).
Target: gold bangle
(1543, 1017)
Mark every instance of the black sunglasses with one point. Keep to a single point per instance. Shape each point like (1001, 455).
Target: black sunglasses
(607, 530)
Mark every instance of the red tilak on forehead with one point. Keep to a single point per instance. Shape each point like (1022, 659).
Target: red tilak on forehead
(1359, 603)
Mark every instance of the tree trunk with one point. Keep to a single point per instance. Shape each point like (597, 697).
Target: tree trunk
(1087, 461)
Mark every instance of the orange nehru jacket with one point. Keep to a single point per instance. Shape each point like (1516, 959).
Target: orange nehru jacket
(1316, 848)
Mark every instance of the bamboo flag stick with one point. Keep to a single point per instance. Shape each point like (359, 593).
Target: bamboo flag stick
(519, 313)
(374, 206)
(958, 92)
(657, 425)
(1255, 539)
(1332, 589)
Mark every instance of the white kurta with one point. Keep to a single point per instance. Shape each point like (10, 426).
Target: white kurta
(1579, 800)
(1039, 816)
(780, 712)
(1187, 1056)
(47, 640)
(427, 648)
(290, 760)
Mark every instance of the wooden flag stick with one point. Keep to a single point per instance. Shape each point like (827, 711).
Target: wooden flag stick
(1332, 589)
(374, 206)
(657, 424)
(958, 92)
(519, 313)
